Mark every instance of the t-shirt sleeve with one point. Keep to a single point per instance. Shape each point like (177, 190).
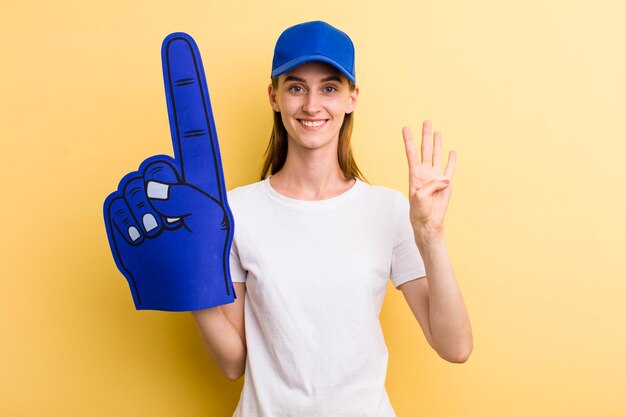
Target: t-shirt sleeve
(237, 273)
(406, 261)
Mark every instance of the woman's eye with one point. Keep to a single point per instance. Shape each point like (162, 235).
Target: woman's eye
(329, 89)
(296, 89)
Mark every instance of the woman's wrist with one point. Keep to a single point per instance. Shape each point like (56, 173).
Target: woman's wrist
(428, 237)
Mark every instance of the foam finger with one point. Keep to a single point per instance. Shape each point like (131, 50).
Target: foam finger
(121, 220)
(194, 136)
(159, 172)
(143, 212)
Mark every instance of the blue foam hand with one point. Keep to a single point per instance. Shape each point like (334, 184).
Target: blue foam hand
(169, 225)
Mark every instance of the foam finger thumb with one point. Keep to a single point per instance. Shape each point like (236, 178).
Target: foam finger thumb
(177, 200)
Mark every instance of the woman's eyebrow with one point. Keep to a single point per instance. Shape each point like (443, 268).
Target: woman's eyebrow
(292, 78)
(332, 78)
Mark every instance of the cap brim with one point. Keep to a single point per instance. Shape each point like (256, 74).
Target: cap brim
(289, 65)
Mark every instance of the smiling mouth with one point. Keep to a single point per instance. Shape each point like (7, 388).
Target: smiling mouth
(312, 123)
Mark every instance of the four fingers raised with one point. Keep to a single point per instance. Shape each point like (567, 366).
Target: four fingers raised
(431, 150)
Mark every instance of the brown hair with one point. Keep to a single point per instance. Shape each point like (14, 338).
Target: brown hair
(276, 152)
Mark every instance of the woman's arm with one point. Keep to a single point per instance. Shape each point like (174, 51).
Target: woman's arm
(436, 301)
(223, 333)
(438, 306)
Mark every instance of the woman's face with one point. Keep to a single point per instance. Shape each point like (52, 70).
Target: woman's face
(313, 100)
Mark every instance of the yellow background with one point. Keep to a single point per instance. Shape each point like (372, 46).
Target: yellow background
(531, 94)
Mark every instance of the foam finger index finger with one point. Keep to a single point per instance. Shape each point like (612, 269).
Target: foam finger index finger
(192, 126)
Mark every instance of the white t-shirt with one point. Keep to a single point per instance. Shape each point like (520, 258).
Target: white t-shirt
(316, 274)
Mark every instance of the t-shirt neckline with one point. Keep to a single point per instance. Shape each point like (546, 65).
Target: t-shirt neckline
(326, 203)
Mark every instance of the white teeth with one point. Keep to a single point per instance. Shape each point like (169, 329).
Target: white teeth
(308, 123)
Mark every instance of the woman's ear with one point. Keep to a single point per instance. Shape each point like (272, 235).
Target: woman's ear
(272, 97)
(354, 98)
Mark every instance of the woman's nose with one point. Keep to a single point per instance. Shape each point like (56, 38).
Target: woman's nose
(311, 104)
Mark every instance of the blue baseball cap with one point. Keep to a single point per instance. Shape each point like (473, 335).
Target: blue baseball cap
(314, 41)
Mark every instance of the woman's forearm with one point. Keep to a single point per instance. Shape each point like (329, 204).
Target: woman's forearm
(223, 341)
(449, 322)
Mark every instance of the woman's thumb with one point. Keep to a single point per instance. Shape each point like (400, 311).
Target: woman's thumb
(432, 187)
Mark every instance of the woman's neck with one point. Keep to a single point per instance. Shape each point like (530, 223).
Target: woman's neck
(311, 175)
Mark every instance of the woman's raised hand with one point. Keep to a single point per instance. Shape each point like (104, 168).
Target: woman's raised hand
(429, 187)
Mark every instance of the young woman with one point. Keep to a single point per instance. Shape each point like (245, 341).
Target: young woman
(314, 246)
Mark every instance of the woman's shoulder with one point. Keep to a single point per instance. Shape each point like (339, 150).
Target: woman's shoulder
(382, 192)
(245, 192)
(245, 189)
(382, 199)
